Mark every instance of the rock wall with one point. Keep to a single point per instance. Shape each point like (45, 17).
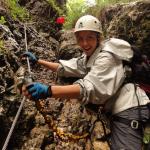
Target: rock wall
(43, 15)
(130, 22)
(12, 37)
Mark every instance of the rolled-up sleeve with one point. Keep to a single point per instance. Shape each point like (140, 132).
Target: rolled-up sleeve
(103, 80)
(72, 68)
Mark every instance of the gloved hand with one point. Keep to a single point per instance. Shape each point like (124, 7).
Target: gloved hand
(39, 91)
(31, 57)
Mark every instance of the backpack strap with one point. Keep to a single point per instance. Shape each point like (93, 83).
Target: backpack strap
(146, 88)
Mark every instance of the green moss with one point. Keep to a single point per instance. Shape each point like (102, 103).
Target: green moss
(2, 20)
(75, 9)
(2, 47)
(53, 4)
(16, 11)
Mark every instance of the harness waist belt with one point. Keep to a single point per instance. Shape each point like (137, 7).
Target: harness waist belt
(134, 124)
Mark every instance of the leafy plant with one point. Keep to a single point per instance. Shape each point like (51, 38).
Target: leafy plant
(75, 8)
(2, 20)
(55, 6)
(101, 4)
(17, 11)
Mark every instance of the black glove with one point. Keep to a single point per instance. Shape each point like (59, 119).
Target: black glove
(31, 57)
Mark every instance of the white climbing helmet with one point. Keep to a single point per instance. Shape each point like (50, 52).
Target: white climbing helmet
(88, 22)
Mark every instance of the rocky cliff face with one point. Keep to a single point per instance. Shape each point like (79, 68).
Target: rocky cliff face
(12, 45)
(130, 22)
(55, 123)
(43, 14)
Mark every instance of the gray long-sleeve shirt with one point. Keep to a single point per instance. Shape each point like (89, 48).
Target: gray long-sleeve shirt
(102, 75)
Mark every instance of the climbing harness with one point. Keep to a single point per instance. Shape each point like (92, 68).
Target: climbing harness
(102, 117)
(29, 79)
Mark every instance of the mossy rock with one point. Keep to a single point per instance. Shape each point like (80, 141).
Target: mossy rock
(131, 22)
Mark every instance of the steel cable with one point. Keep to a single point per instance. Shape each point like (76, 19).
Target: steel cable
(23, 100)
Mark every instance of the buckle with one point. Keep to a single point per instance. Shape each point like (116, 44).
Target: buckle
(134, 124)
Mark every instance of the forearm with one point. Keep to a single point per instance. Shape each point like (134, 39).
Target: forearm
(50, 65)
(67, 91)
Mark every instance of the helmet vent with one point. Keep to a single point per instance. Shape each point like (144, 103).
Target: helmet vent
(80, 25)
(89, 23)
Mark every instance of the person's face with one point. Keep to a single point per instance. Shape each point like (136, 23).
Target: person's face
(87, 40)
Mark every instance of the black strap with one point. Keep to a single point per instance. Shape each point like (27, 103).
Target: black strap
(134, 124)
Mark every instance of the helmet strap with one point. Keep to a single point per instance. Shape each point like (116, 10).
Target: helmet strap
(98, 40)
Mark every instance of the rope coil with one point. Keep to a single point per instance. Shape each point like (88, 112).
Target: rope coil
(59, 131)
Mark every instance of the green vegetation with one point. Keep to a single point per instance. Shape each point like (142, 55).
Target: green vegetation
(101, 4)
(55, 6)
(2, 20)
(16, 11)
(77, 8)
(2, 47)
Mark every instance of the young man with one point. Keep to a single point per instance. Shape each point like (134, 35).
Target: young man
(102, 77)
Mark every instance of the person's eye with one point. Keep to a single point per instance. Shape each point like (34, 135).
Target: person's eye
(79, 39)
(91, 38)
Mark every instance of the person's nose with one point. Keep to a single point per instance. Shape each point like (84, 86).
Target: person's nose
(85, 42)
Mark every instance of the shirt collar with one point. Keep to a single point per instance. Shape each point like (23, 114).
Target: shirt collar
(92, 58)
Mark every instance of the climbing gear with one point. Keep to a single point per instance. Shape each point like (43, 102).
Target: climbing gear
(102, 116)
(31, 57)
(63, 135)
(134, 124)
(39, 90)
(140, 70)
(138, 73)
(69, 136)
(104, 122)
(29, 79)
(89, 23)
(145, 127)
